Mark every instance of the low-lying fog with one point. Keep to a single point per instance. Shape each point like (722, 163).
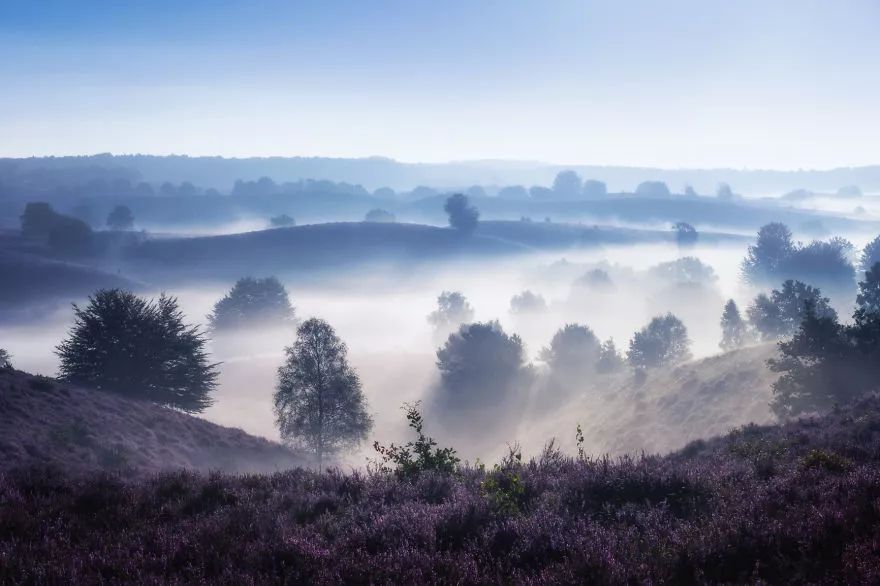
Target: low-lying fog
(382, 318)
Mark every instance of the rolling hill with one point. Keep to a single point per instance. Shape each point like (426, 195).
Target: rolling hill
(48, 423)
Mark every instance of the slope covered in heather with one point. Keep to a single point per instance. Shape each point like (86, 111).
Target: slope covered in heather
(794, 503)
(44, 422)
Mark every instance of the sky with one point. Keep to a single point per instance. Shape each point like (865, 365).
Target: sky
(779, 84)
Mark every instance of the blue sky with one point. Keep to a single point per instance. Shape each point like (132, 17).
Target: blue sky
(769, 84)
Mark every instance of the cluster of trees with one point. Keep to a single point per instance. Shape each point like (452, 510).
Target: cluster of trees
(827, 363)
(775, 256)
(526, 303)
(379, 215)
(64, 234)
(774, 316)
(265, 186)
(462, 215)
(576, 351)
(281, 221)
(252, 302)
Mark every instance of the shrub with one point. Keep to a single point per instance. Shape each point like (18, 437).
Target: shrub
(379, 215)
(281, 221)
(416, 456)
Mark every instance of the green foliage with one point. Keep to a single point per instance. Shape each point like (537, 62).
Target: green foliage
(416, 456)
(662, 342)
(138, 348)
(503, 486)
(825, 460)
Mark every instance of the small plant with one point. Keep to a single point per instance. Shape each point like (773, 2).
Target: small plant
(414, 457)
(503, 487)
(5, 360)
(579, 439)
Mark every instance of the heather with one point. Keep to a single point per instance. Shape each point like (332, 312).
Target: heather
(796, 502)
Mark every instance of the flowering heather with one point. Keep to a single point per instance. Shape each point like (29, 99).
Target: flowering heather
(793, 503)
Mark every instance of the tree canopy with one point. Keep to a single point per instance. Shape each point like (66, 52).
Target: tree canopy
(734, 329)
(779, 314)
(574, 349)
(452, 310)
(138, 348)
(379, 215)
(664, 341)
(253, 302)
(462, 215)
(120, 218)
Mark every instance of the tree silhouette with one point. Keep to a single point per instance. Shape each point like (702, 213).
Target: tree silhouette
(138, 348)
(253, 302)
(764, 259)
(319, 404)
(120, 218)
(567, 185)
(685, 234)
(609, 359)
(573, 350)
(526, 303)
(664, 341)
(379, 215)
(5, 360)
(780, 314)
(733, 328)
(868, 299)
(462, 216)
(594, 189)
(870, 254)
(282, 221)
(452, 310)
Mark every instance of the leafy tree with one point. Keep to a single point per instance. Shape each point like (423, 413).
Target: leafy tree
(120, 218)
(870, 254)
(685, 234)
(379, 215)
(652, 189)
(689, 191)
(527, 302)
(868, 299)
(764, 259)
(452, 310)
(462, 216)
(38, 220)
(733, 328)
(513, 192)
(724, 191)
(664, 341)
(574, 349)
(5, 360)
(567, 185)
(282, 221)
(687, 270)
(780, 314)
(415, 457)
(479, 363)
(594, 189)
(138, 348)
(70, 237)
(609, 359)
(252, 302)
(595, 278)
(822, 262)
(319, 404)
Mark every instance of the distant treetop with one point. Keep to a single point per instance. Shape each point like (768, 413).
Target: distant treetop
(253, 302)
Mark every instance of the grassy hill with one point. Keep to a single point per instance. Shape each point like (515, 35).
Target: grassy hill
(793, 503)
(45, 422)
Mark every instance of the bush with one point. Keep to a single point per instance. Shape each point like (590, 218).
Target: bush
(379, 215)
(462, 216)
(281, 221)
(120, 218)
(138, 348)
(417, 456)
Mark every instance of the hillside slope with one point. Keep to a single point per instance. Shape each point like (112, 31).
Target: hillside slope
(794, 503)
(44, 422)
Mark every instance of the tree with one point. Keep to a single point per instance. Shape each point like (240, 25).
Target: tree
(452, 310)
(380, 216)
(764, 259)
(573, 350)
(253, 302)
(567, 185)
(138, 348)
(527, 302)
(70, 236)
(664, 341)
(826, 263)
(38, 220)
(689, 191)
(868, 299)
(652, 189)
(870, 254)
(733, 328)
(594, 189)
(479, 362)
(120, 218)
(685, 234)
(595, 278)
(281, 221)
(462, 216)
(780, 314)
(5, 360)
(319, 404)
(609, 359)
(724, 191)
(513, 192)
(687, 270)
